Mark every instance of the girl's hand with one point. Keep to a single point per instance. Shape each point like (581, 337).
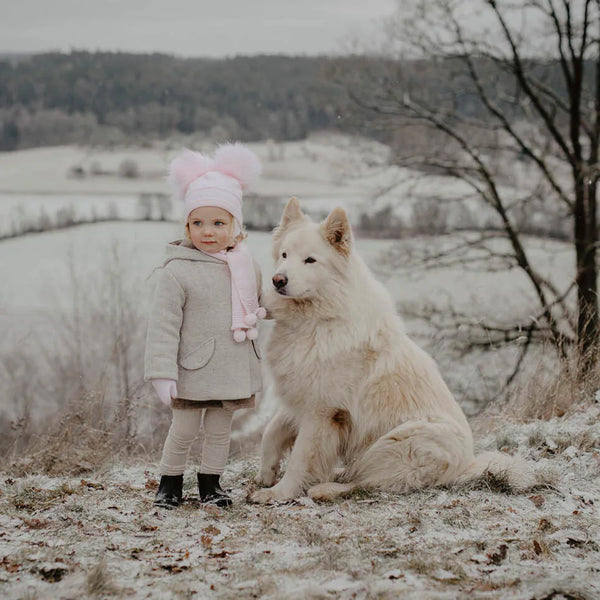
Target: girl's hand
(166, 389)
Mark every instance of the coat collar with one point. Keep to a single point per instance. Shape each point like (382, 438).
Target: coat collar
(183, 250)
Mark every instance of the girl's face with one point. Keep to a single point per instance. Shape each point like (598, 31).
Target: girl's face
(210, 228)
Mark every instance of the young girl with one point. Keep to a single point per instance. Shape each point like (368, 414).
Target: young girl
(201, 349)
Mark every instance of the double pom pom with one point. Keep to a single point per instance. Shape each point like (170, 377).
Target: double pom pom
(234, 160)
(239, 335)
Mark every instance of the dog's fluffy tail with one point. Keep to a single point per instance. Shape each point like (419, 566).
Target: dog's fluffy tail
(501, 471)
(330, 490)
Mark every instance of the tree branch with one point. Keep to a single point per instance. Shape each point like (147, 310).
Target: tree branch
(519, 72)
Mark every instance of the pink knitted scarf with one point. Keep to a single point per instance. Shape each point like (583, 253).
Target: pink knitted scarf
(245, 310)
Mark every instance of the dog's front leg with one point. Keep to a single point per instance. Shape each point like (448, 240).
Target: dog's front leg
(279, 435)
(312, 460)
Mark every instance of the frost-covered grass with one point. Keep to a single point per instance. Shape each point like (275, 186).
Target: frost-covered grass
(101, 536)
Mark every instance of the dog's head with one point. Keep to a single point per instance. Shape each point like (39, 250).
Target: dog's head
(310, 258)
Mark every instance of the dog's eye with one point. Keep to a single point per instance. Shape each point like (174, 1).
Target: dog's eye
(310, 260)
(284, 255)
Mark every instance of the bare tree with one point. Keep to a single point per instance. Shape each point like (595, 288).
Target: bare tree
(516, 118)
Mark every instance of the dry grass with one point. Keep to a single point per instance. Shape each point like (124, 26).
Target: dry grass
(83, 439)
(541, 393)
(76, 394)
(98, 581)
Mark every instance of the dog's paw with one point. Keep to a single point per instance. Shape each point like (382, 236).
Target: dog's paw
(266, 478)
(262, 496)
(272, 494)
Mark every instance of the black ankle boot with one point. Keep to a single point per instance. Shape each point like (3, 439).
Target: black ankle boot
(169, 493)
(210, 490)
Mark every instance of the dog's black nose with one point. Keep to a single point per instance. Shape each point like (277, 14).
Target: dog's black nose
(279, 280)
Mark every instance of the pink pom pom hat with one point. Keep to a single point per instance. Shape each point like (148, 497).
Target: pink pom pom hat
(200, 180)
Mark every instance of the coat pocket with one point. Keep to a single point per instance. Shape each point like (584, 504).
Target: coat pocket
(198, 357)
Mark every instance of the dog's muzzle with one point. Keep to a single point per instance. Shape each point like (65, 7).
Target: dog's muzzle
(279, 282)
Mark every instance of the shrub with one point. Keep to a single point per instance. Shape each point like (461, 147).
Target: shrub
(129, 169)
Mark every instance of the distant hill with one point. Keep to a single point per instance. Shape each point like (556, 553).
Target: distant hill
(105, 97)
(14, 57)
(111, 98)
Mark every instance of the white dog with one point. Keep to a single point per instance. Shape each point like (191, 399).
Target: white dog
(354, 388)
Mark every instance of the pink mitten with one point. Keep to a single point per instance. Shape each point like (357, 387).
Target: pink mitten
(166, 389)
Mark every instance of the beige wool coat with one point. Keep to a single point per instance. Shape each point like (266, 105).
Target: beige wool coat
(189, 335)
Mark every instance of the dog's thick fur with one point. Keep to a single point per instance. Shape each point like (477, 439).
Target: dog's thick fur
(355, 390)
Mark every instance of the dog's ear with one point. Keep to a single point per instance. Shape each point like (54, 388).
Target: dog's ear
(337, 231)
(292, 212)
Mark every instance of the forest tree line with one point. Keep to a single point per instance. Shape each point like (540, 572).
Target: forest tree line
(104, 98)
(108, 98)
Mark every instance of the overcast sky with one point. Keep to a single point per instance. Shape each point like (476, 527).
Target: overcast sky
(189, 27)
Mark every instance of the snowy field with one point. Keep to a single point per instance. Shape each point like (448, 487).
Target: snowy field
(325, 171)
(100, 536)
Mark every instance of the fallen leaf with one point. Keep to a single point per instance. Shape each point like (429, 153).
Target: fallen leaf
(545, 525)
(540, 547)
(211, 530)
(36, 523)
(222, 554)
(212, 510)
(495, 558)
(92, 485)
(53, 572)
(483, 587)
(538, 500)
(11, 567)
(174, 568)
(580, 543)
(151, 482)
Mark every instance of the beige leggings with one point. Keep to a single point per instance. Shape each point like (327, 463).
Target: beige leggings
(184, 429)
